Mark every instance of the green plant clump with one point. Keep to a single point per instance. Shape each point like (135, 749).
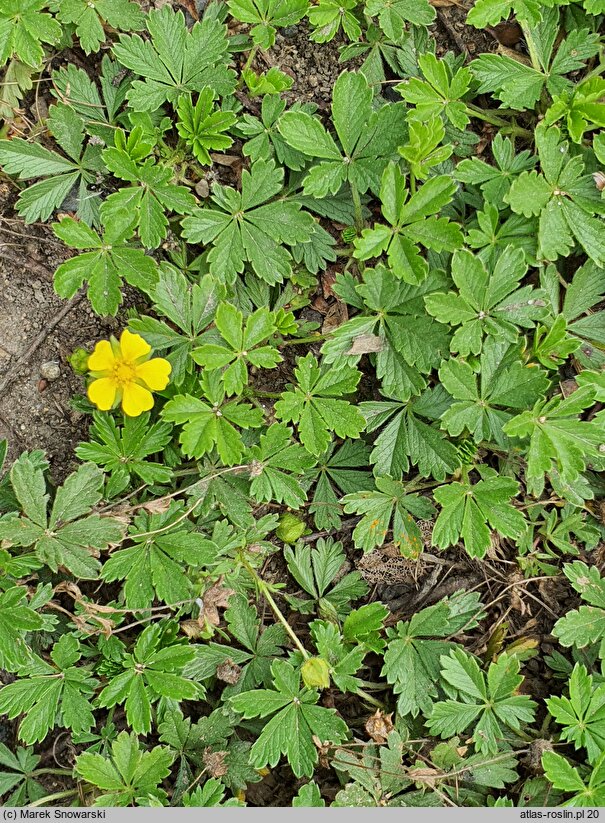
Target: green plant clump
(361, 345)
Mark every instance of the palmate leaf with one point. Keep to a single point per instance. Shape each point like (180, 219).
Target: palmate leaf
(519, 86)
(58, 694)
(329, 15)
(559, 441)
(315, 570)
(339, 470)
(260, 648)
(368, 137)
(144, 204)
(129, 774)
(485, 403)
(266, 16)
(17, 619)
(123, 15)
(407, 439)
(24, 26)
(582, 714)
(495, 180)
(202, 126)
(276, 466)
(440, 92)
(411, 662)
(468, 511)
(250, 227)
(62, 174)
(111, 258)
(211, 423)
(296, 721)
(390, 507)
(314, 404)
(488, 302)
(393, 17)
(563, 197)
(566, 777)
(394, 327)
(489, 12)
(122, 451)
(487, 703)
(152, 671)
(188, 308)
(412, 223)
(98, 109)
(175, 60)
(241, 343)
(585, 625)
(264, 140)
(156, 567)
(69, 537)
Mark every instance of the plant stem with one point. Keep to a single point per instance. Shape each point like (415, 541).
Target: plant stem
(264, 590)
(247, 64)
(298, 341)
(495, 120)
(56, 796)
(67, 772)
(357, 207)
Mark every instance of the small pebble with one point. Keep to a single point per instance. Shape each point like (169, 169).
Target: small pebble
(50, 370)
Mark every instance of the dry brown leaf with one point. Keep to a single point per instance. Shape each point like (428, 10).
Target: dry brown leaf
(226, 159)
(229, 672)
(215, 763)
(337, 315)
(514, 55)
(191, 628)
(428, 776)
(217, 597)
(328, 279)
(379, 726)
(366, 344)
(158, 506)
(191, 7)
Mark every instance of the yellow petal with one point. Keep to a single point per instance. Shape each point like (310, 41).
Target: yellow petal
(102, 393)
(155, 373)
(133, 346)
(102, 358)
(136, 400)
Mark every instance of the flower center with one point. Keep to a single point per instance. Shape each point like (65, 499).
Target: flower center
(123, 373)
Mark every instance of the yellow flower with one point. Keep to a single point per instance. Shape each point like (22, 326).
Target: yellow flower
(124, 373)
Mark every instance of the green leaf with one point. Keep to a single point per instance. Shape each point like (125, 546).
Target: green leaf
(23, 29)
(412, 224)
(558, 439)
(212, 425)
(412, 660)
(296, 720)
(314, 406)
(582, 714)
(174, 60)
(467, 512)
(250, 227)
(123, 15)
(489, 703)
(388, 508)
(58, 695)
(129, 774)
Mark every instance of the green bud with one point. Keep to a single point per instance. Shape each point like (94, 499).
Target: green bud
(290, 528)
(78, 360)
(315, 673)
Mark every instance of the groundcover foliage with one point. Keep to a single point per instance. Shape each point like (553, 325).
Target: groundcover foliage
(189, 606)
